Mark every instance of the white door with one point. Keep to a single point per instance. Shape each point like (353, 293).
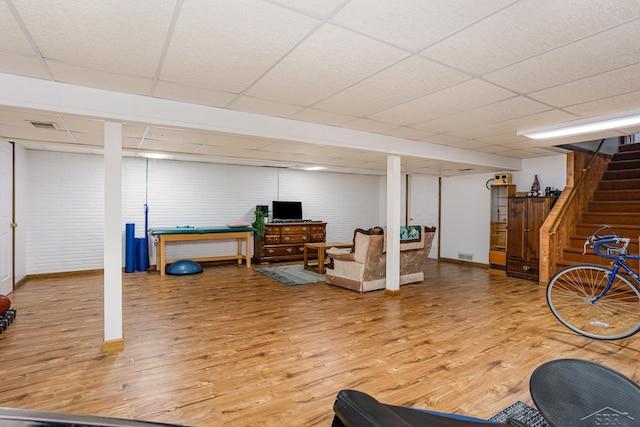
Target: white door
(6, 217)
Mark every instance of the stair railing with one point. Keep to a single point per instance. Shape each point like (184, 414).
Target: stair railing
(572, 194)
(554, 233)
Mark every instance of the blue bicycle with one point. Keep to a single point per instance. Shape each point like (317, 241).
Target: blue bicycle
(596, 301)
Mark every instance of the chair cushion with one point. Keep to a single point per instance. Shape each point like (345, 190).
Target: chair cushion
(361, 247)
(357, 409)
(574, 392)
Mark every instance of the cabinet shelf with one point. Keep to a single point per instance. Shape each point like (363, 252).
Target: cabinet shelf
(500, 195)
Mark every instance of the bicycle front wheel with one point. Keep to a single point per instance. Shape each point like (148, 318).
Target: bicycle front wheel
(572, 297)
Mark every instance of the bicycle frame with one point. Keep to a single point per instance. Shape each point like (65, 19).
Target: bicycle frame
(620, 260)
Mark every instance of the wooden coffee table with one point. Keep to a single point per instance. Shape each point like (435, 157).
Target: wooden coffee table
(321, 248)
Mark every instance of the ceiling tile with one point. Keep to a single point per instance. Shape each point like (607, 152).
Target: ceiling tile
(76, 124)
(319, 8)
(99, 79)
(12, 39)
(528, 28)
(168, 146)
(224, 151)
(73, 31)
(241, 142)
(608, 50)
(29, 66)
(416, 24)
(487, 114)
(194, 95)
(617, 82)
(461, 97)
(328, 61)
(402, 82)
(607, 105)
(88, 139)
(33, 134)
(226, 46)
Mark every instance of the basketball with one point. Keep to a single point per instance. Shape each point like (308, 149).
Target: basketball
(5, 304)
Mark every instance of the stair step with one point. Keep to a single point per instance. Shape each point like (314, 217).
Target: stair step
(613, 219)
(565, 263)
(614, 206)
(576, 244)
(619, 184)
(617, 195)
(577, 257)
(584, 230)
(616, 202)
(626, 155)
(621, 174)
(624, 164)
(623, 148)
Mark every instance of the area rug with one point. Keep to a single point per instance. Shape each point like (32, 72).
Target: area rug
(521, 412)
(291, 275)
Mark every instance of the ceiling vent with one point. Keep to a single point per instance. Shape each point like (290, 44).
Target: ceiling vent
(44, 125)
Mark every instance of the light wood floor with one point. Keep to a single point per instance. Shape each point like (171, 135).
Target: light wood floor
(233, 347)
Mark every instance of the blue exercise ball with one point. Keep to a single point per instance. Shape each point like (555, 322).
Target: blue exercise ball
(185, 266)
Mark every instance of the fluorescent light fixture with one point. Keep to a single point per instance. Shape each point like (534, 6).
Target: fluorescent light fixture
(582, 126)
(160, 156)
(314, 168)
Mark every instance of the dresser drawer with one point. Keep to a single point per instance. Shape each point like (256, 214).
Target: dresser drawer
(271, 240)
(523, 269)
(295, 238)
(295, 229)
(317, 237)
(283, 250)
(272, 230)
(317, 229)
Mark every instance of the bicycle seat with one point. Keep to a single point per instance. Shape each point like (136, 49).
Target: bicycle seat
(357, 409)
(577, 393)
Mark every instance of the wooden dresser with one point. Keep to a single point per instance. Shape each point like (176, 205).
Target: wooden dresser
(285, 241)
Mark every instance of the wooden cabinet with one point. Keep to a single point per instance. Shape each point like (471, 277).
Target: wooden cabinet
(500, 195)
(285, 242)
(525, 217)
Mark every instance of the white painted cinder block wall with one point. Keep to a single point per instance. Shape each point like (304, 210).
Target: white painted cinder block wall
(64, 194)
(63, 204)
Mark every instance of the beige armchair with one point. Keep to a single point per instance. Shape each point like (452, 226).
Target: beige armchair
(365, 270)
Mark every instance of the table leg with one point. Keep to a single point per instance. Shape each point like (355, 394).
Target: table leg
(239, 250)
(160, 256)
(321, 260)
(247, 238)
(305, 263)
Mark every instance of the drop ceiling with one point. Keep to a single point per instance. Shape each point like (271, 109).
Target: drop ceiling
(439, 82)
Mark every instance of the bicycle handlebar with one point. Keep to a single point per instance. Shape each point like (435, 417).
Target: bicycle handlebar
(606, 242)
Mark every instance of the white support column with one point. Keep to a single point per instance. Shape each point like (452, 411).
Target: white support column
(113, 336)
(394, 209)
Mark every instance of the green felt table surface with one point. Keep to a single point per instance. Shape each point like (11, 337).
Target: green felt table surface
(198, 230)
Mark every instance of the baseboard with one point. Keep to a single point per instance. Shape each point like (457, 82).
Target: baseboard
(113, 346)
(63, 274)
(463, 262)
(20, 282)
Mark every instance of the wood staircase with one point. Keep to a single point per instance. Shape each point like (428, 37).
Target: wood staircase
(615, 202)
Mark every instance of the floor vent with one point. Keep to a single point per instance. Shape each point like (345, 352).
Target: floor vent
(464, 256)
